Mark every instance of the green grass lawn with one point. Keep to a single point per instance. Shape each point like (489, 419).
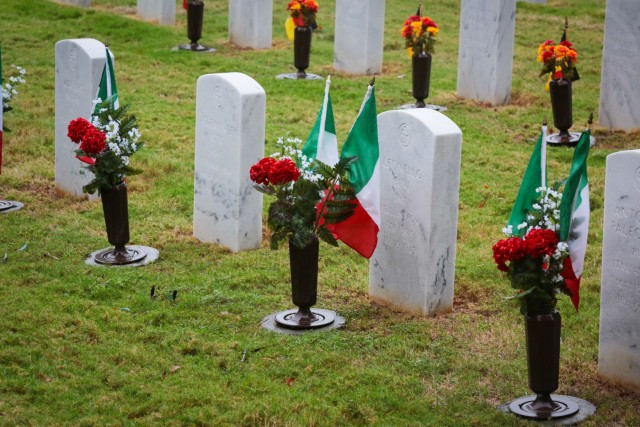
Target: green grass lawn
(87, 346)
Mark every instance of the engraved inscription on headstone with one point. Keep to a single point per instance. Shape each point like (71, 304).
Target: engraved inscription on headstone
(412, 268)
(619, 353)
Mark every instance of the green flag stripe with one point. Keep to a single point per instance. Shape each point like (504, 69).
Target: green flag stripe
(363, 143)
(310, 148)
(576, 181)
(527, 195)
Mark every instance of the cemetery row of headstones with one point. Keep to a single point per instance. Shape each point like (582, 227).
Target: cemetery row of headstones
(419, 157)
(485, 56)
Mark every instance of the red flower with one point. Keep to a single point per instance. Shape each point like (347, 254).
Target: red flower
(283, 171)
(566, 43)
(547, 55)
(407, 31)
(511, 249)
(259, 173)
(547, 43)
(298, 21)
(427, 22)
(539, 242)
(93, 141)
(77, 128)
(557, 75)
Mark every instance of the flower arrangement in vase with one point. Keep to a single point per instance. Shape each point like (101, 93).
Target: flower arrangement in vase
(299, 26)
(534, 258)
(420, 38)
(559, 65)
(309, 197)
(105, 145)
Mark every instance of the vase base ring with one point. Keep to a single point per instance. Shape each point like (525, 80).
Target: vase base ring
(556, 139)
(197, 48)
(438, 108)
(111, 257)
(323, 318)
(294, 76)
(9, 206)
(566, 406)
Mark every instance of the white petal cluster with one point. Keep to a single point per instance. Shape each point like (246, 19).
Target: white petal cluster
(9, 88)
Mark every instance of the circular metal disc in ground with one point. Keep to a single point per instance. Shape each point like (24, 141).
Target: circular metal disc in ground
(294, 76)
(200, 48)
(151, 255)
(585, 410)
(439, 108)
(111, 257)
(566, 407)
(269, 322)
(7, 206)
(554, 139)
(323, 318)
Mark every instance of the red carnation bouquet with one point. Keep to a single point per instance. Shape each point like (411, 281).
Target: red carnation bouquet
(105, 145)
(309, 195)
(533, 256)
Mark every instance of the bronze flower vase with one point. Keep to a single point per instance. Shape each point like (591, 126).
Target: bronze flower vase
(561, 104)
(195, 15)
(116, 218)
(304, 290)
(543, 363)
(301, 50)
(421, 73)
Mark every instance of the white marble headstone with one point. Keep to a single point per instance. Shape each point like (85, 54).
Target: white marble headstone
(79, 66)
(485, 54)
(230, 131)
(250, 23)
(82, 3)
(412, 268)
(619, 356)
(359, 36)
(162, 11)
(619, 82)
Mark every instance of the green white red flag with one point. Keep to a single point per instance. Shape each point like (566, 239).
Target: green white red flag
(534, 177)
(322, 143)
(360, 230)
(574, 217)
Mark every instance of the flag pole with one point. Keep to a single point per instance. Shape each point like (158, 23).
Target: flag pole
(323, 119)
(543, 154)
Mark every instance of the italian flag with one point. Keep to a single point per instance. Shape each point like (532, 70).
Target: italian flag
(574, 217)
(322, 143)
(534, 177)
(107, 88)
(360, 231)
(1, 110)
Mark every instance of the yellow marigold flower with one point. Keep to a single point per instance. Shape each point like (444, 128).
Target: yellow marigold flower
(417, 27)
(546, 86)
(433, 31)
(295, 6)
